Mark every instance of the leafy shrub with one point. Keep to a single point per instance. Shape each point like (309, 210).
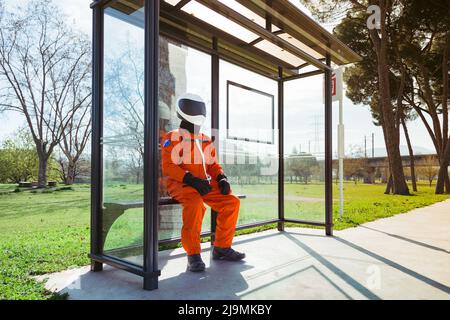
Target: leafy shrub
(64, 189)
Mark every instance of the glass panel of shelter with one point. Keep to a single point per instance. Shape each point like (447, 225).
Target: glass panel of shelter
(249, 14)
(182, 70)
(304, 145)
(249, 140)
(172, 2)
(279, 53)
(301, 45)
(248, 152)
(123, 134)
(219, 21)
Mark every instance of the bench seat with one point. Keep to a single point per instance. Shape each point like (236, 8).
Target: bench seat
(114, 210)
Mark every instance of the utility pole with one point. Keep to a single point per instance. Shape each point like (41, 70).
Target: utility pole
(365, 146)
(373, 145)
(316, 135)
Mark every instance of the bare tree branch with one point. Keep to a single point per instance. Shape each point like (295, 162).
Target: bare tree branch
(45, 73)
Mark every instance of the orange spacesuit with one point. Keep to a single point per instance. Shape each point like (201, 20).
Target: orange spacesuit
(181, 154)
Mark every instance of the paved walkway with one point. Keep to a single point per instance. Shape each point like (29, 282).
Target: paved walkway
(403, 257)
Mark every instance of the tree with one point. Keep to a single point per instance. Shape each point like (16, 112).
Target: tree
(81, 169)
(425, 49)
(355, 165)
(75, 136)
(124, 96)
(411, 155)
(18, 159)
(429, 170)
(355, 169)
(419, 69)
(41, 62)
(302, 165)
(388, 117)
(287, 168)
(374, 45)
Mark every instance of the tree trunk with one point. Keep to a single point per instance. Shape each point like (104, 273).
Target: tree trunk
(443, 178)
(389, 185)
(387, 114)
(443, 181)
(411, 156)
(71, 174)
(392, 136)
(42, 173)
(388, 168)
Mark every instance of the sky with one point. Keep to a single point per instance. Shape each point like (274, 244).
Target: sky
(358, 120)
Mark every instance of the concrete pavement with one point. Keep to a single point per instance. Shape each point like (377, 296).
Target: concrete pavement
(402, 257)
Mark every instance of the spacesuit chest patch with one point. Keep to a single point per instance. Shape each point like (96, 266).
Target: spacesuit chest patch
(166, 143)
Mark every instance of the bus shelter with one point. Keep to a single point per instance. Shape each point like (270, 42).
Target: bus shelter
(264, 69)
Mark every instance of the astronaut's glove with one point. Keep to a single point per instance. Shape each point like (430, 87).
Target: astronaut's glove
(202, 186)
(224, 185)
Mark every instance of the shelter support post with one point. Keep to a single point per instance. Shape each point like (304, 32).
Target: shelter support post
(341, 154)
(215, 67)
(281, 149)
(96, 147)
(151, 150)
(328, 150)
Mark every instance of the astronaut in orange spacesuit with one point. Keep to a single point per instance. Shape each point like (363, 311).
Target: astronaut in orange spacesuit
(194, 177)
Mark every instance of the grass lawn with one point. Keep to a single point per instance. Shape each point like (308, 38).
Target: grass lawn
(48, 231)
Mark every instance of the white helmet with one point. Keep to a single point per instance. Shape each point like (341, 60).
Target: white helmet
(191, 108)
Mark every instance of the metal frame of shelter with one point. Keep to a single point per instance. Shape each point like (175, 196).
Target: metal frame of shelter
(287, 43)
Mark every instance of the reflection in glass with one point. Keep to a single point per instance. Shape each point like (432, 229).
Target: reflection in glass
(123, 135)
(304, 149)
(250, 114)
(182, 69)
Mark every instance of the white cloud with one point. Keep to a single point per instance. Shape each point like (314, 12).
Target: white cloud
(79, 12)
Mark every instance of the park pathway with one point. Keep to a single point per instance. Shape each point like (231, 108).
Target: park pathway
(403, 257)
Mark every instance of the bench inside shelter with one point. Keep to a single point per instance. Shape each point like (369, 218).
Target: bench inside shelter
(114, 210)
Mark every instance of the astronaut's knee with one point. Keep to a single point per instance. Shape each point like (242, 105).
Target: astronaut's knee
(234, 201)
